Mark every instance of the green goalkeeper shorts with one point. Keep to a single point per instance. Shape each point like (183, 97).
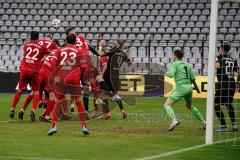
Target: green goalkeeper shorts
(183, 91)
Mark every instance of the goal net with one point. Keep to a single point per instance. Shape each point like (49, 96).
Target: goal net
(223, 113)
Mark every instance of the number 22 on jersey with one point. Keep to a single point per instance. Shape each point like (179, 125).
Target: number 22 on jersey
(32, 55)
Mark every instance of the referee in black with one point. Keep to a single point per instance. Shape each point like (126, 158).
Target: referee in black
(117, 56)
(225, 87)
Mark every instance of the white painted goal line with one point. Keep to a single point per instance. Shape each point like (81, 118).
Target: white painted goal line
(171, 153)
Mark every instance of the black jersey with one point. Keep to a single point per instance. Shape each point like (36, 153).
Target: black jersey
(111, 75)
(116, 59)
(227, 68)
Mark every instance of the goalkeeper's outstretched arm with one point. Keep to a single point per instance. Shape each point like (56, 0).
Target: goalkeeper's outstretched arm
(171, 72)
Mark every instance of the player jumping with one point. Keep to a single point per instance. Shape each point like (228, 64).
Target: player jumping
(48, 45)
(66, 61)
(81, 43)
(33, 53)
(111, 75)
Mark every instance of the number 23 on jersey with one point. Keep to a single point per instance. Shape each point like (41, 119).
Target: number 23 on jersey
(68, 58)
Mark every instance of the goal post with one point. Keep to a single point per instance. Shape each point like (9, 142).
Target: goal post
(211, 71)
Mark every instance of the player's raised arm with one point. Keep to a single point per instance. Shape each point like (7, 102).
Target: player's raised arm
(111, 52)
(93, 50)
(101, 47)
(171, 72)
(116, 47)
(125, 50)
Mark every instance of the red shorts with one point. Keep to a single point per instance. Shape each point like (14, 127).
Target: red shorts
(30, 78)
(43, 80)
(73, 78)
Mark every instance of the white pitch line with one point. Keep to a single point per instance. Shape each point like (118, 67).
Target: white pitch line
(184, 150)
(4, 121)
(8, 121)
(31, 158)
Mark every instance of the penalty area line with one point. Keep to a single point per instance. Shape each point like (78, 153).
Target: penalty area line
(171, 153)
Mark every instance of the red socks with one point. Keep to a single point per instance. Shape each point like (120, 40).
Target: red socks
(81, 113)
(50, 107)
(55, 114)
(16, 99)
(46, 99)
(35, 102)
(27, 101)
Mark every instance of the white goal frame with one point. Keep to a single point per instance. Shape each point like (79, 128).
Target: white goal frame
(211, 71)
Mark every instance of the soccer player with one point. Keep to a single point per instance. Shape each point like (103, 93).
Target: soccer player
(103, 60)
(33, 53)
(81, 43)
(225, 87)
(183, 75)
(66, 60)
(103, 66)
(111, 75)
(48, 46)
(45, 73)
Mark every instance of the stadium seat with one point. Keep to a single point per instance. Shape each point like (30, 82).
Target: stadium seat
(169, 21)
(5, 58)
(165, 60)
(197, 66)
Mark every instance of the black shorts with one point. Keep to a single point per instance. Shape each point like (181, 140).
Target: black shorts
(113, 82)
(224, 93)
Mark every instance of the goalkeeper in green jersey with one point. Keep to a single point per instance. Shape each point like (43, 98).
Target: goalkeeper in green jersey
(184, 77)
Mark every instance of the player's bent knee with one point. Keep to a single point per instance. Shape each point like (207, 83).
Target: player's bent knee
(168, 103)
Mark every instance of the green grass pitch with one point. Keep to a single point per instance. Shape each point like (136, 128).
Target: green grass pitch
(143, 134)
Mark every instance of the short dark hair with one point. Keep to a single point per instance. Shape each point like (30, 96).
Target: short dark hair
(56, 41)
(69, 29)
(34, 35)
(71, 39)
(226, 47)
(178, 53)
